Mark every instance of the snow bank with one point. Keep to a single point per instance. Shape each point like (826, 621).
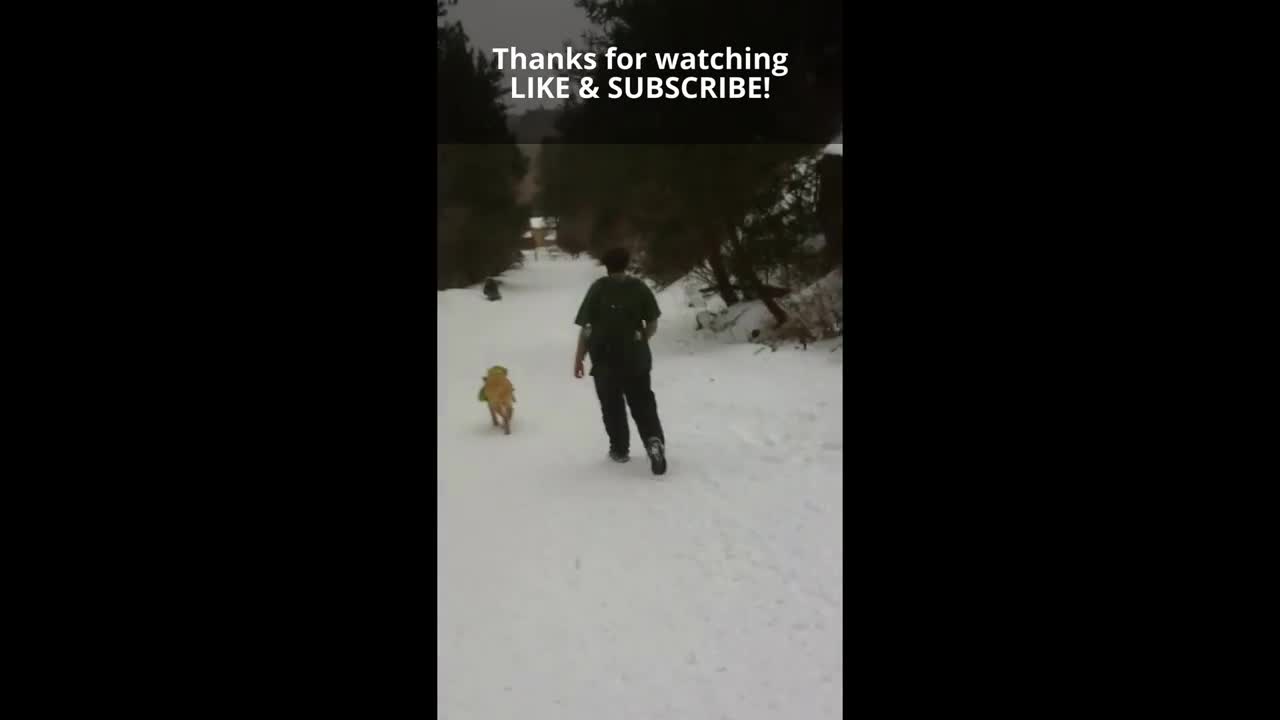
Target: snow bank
(818, 307)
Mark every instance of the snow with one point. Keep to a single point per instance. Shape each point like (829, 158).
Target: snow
(836, 147)
(814, 244)
(832, 284)
(736, 324)
(750, 321)
(573, 588)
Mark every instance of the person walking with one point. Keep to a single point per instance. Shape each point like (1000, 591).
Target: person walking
(618, 316)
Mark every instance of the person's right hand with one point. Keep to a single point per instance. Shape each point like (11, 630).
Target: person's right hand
(577, 369)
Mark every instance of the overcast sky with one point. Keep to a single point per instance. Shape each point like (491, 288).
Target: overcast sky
(528, 25)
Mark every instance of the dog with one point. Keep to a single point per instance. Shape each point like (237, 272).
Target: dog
(500, 394)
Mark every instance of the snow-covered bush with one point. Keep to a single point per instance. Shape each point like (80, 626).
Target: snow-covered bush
(819, 308)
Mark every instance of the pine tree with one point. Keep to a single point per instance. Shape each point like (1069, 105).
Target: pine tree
(479, 223)
(685, 206)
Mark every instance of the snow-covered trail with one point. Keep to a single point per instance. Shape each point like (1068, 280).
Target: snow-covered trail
(572, 587)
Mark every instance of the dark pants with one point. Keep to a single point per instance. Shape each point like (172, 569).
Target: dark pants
(612, 390)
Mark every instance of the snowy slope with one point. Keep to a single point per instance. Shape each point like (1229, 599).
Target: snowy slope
(574, 588)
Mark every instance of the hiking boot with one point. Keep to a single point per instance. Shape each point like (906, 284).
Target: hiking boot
(619, 456)
(657, 455)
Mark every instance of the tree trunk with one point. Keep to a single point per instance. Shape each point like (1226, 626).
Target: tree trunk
(749, 277)
(742, 269)
(716, 260)
(774, 308)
